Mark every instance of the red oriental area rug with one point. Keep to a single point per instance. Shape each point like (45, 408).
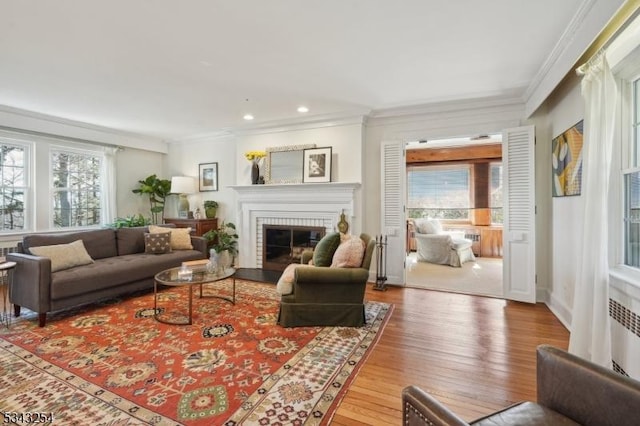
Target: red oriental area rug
(113, 363)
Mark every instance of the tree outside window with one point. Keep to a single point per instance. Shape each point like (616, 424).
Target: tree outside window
(77, 186)
(12, 169)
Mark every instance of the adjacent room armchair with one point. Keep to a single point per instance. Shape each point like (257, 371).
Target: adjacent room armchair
(331, 291)
(571, 391)
(434, 245)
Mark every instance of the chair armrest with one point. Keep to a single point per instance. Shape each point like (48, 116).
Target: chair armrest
(31, 285)
(458, 235)
(200, 244)
(420, 408)
(325, 284)
(585, 392)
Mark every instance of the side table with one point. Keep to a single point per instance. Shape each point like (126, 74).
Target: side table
(6, 279)
(198, 226)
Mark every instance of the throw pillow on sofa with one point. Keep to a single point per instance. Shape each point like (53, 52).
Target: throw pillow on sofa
(324, 250)
(180, 237)
(157, 243)
(64, 256)
(349, 253)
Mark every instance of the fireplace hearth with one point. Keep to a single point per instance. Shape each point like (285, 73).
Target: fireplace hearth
(283, 245)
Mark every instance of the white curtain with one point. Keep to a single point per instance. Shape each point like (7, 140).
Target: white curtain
(590, 329)
(109, 185)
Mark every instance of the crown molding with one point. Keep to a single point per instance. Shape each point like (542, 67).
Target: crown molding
(510, 98)
(44, 123)
(591, 17)
(357, 116)
(218, 135)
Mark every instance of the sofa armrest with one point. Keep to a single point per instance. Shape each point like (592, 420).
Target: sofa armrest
(585, 392)
(200, 244)
(324, 284)
(420, 408)
(31, 285)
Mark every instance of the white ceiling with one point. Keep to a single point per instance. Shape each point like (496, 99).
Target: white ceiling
(177, 69)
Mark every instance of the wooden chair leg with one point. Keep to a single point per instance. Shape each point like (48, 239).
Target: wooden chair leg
(42, 319)
(16, 310)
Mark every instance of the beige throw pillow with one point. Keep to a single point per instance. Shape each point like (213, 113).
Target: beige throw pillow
(285, 283)
(64, 256)
(180, 237)
(349, 254)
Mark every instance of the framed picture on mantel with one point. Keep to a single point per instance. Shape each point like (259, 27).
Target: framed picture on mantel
(317, 165)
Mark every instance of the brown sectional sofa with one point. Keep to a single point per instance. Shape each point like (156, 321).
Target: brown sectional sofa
(120, 266)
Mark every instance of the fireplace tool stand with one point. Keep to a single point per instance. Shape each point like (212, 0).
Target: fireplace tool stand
(381, 269)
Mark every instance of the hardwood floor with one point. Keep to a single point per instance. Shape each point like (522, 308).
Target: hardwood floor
(475, 354)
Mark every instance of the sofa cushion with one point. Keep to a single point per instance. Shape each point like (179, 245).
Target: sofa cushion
(115, 271)
(130, 240)
(324, 250)
(99, 243)
(64, 256)
(157, 243)
(349, 253)
(180, 237)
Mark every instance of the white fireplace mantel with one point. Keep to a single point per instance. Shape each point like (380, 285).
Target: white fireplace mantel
(311, 204)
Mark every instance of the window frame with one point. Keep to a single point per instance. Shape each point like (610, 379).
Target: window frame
(469, 170)
(68, 149)
(29, 202)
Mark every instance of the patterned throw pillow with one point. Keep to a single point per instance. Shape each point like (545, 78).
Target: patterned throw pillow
(180, 237)
(349, 254)
(324, 250)
(157, 243)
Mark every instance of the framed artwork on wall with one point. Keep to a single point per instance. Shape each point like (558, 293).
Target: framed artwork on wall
(208, 177)
(566, 156)
(316, 165)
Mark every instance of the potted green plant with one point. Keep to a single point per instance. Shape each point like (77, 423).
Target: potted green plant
(224, 240)
(130, 221)
(210, 208)
(157, 189)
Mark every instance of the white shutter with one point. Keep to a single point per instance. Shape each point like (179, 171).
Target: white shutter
(393, 221)
(519, 260)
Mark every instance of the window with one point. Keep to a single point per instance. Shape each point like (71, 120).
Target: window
(439, 191)
(76, 178)
(14, 170)
(631, 178)
(495, 192)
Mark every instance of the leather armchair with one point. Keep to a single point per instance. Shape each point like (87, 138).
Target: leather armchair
(324, 296)
(571, 391)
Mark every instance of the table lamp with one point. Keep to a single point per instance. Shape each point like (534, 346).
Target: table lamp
(183, 185)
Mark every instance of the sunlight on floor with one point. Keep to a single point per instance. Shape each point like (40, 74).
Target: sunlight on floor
(482, 277)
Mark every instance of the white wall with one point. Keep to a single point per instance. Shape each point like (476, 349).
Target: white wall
(563, 216)
(184, 159)
(345, 139)
(133, 165)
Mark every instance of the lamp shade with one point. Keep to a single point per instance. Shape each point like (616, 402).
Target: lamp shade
(183, 185)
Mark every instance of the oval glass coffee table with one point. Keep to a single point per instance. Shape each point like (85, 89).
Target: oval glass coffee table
(175, 277)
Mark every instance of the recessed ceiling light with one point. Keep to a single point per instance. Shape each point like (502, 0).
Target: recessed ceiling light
(303, 109)
(248, 117)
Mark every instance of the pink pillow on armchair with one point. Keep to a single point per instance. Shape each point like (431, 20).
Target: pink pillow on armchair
(349, 254)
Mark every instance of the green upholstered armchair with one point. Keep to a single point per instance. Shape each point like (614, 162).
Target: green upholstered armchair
(327, 296)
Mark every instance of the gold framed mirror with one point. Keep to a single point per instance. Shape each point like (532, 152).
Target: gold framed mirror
(284, 164)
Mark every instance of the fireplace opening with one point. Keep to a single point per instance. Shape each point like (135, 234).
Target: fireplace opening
(284, 244)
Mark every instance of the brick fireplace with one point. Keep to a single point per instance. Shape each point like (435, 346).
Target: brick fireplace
(316, 205)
